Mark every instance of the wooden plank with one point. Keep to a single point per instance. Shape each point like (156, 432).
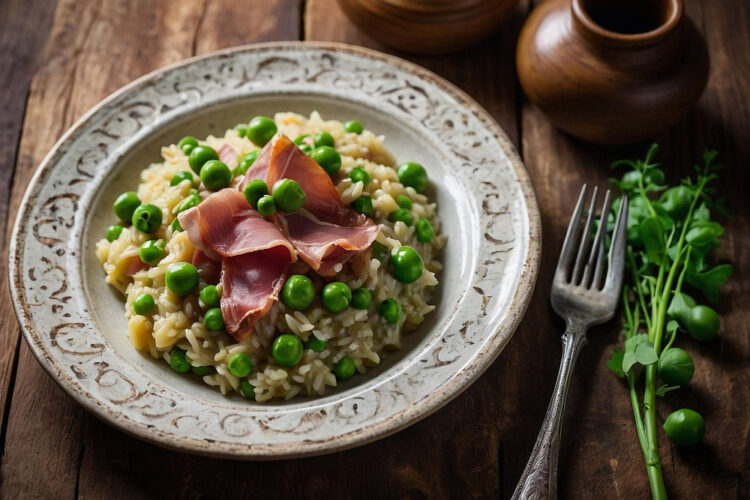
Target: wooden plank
(600, 454)
(94, 49)
(22, 38)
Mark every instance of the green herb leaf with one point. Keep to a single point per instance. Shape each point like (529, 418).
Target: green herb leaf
(672, 325)
(661, 391)
(615, 362)
(709, 281)
(638, 349)
(652, 237)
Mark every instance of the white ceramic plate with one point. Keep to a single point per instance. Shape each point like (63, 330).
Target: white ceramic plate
(76, 326)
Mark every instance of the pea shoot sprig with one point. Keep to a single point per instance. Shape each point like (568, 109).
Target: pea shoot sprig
(670, 239)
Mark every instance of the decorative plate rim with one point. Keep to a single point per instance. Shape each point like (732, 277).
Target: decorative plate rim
(369, 432)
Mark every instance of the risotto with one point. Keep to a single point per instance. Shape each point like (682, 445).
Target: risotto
(325, 326)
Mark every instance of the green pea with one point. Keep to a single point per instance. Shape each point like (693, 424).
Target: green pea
(178, 361)
(199, 156)
(125, 205)
(266, 205)
(254, 191)
(241, 129)
(323, 138)
(152, 251)
(425, 231)
(240, 365)
(202, 371)
(209, 296)
(344, 368)
(298, 292)
(288, 195)
(379, 251)
(176, 227)
(336, 296)
(246, 162)
(328, 158)
(359, 174)
(247, 390)
(363, 205)
(113, 232)
(676, 367)
(685, 427)
(215, 175)
(182, 176)
(300, 139)
(703, 323)
(144, 304)
(190, 201)
(402, 215)
(353, 127)
(287, 350)
(213, 319)
(261, 129)
(413, 175)
(147, 218)
(390, 310)
(315, 344)
(407, 264)
(187, 144)
(361, 298)
(404, 201)
(181, 278)
(306, 148)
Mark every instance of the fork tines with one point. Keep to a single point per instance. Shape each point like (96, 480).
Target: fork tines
(588, 268)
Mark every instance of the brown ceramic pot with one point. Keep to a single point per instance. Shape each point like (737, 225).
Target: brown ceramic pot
(612, 71)
(428, 26)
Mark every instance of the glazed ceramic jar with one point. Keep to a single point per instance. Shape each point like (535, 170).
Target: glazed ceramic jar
(428, 26)
(612, 71)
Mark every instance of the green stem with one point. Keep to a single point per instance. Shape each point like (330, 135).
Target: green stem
(651, 454)
(653, 462)
(671, 340)
(637, 287)
(678, 288)
(637, 414)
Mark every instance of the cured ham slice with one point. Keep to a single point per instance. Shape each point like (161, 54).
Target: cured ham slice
(209, 270)
(224, 225)
(323, 246)
(325, 232)
(228, 155)
(254, 255)
(250, 285)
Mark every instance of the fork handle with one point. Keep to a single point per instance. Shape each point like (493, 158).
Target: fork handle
(539, 479)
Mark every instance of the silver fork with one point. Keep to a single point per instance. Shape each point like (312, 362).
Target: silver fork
(579, 297)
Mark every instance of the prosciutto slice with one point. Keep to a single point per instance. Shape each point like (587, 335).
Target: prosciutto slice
(254, 255)
(228, 155)
(250, 285)
(325, 232)
(224, 225)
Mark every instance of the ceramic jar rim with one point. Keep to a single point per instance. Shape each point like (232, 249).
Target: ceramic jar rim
(595, 32)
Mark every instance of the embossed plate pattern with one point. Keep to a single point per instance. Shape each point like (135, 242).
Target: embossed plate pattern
(75, 324)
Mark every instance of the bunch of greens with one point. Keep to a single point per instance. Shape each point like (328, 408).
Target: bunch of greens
(670, 239)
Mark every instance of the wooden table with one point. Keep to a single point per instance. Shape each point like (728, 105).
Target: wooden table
(58, 60)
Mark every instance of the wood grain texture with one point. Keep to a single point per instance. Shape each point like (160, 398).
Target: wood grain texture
(478, 445)
(435, 27)
(22, 38)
